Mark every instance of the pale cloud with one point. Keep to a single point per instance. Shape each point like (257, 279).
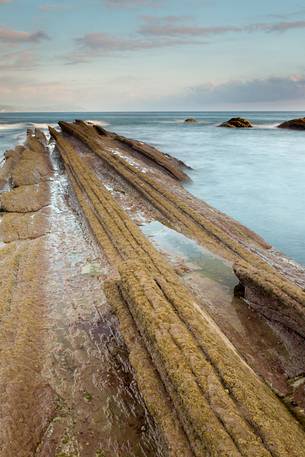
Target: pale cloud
(109, 43)
(5, 1)
(94, 45)
(180, 26)
(106, 42)
(283, 26)
(164, 32)
(175, 26)
(19, 60)
(8, 35)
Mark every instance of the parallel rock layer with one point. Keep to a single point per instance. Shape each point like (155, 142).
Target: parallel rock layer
(217, 233)
(28, 403)
(224, 409)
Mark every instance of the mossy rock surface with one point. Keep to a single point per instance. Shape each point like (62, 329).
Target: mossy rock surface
(294, 124)
(155, 299)
(237, 123)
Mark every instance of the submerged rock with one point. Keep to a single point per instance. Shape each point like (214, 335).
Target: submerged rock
(294, 124)
(191, 120)
(237, 122)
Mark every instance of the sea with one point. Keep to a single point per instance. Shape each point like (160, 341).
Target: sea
(255, 175)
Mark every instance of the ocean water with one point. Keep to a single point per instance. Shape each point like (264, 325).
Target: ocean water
(255, 175)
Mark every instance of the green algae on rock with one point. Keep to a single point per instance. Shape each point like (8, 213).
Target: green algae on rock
(213, 230)
(254, 407)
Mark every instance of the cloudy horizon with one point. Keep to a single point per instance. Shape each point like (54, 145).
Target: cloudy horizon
(144, 55)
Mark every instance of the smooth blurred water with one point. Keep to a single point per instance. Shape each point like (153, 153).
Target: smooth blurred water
(255, 175)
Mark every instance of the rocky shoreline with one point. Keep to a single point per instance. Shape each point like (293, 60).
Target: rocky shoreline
(242, 123)
(201, 385)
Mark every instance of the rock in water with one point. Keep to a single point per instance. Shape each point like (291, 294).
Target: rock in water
(294, 124)
(237, 122)
(191, 120)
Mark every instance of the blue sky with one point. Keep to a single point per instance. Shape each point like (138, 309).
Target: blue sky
(151, 55)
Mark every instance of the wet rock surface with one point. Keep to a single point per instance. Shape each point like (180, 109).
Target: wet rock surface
(294, 124)
(237, 122)
(67, 385)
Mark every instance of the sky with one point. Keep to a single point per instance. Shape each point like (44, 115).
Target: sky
(143, 55)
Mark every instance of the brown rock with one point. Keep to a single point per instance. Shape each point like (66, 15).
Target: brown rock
(32, 167)
(191, 120)
(16, 226)
(294, 124)
(25, 199)
(12, 156)
(237, 122)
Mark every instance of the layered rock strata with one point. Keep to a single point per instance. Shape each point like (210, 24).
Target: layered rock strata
(166, 162)
(223, 407)
(214, 231)
(28, 403)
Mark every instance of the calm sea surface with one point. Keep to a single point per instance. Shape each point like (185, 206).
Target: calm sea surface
(255, 175)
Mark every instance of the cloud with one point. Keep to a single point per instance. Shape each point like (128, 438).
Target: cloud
(164, 32)
(276, 26)
(5, 1)
(273, 89)
(19, 60)
(94, 45)
(108, 43)
(105, 42)
(13, 36)
(175, 26)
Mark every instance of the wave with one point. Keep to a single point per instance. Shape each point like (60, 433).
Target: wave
(266, 126)
(19, 126)
(100, 123)
(182, 121)
(41, 125)
(24, 126)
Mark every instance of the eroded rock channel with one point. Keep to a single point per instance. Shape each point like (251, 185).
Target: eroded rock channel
(121, 334)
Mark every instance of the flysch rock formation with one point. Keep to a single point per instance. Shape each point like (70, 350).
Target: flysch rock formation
(64, 371)
(122, 348)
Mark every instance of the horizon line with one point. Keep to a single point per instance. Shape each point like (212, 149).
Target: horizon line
(161, 111)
